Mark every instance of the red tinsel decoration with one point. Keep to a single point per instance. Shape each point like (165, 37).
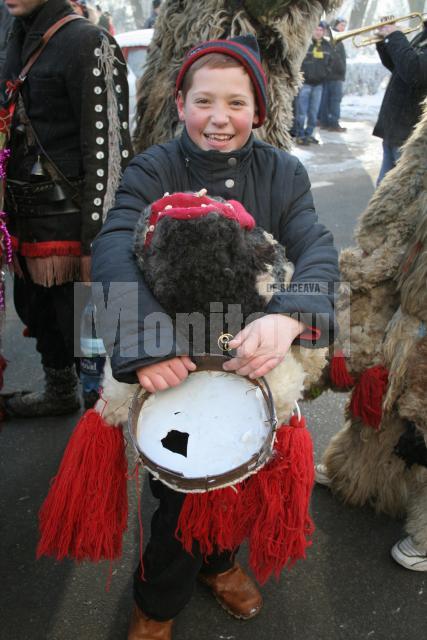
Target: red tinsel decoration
(367, 397)
(85, 513)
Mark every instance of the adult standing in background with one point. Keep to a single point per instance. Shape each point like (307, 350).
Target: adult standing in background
(69, 143)
(333, 87)
(83, 8)
(315, 68)
(6, 20)
(105, 20)
(151, 20)
(401, 106)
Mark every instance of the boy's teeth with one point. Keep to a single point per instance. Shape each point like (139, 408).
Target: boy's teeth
(219, 137)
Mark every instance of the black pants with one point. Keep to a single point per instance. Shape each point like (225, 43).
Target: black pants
(170, 572)
(49, 313)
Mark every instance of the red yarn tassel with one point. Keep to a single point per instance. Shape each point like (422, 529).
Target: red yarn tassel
(209, 518)
(85, 513)
(338, 372)
(270, 508)
(277, 501)
(367, 397)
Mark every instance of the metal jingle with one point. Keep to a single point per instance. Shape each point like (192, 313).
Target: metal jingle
(224, 340)
(37, 169)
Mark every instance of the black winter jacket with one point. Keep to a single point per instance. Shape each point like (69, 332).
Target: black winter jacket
(274, 188)
(67, 102)
(338, 65)
(317, 62)
(6, 21)
(401, 105)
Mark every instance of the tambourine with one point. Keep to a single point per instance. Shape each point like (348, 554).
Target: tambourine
(212, 431)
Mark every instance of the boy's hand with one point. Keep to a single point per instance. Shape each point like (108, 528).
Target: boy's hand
(162, 375)
(262, 345)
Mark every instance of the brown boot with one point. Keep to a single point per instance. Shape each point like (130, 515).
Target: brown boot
(235, 591)
(144, 628)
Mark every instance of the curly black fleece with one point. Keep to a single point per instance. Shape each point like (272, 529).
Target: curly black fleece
(191, 264)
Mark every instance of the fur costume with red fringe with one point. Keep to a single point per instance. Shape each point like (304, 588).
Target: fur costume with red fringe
(382, 313)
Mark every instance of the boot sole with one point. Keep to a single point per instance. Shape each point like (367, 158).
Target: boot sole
(227, 609)
(232, 613)
(9, 412)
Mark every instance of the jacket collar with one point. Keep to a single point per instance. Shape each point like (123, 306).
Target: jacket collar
(216, 164)
(39, 22)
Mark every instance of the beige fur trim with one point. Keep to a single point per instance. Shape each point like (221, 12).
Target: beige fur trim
(401, 338)
(416, 524)
(116, 398)
(364, 469)
(413, 401)
(54, 270)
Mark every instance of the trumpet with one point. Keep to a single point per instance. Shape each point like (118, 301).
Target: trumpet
(418, 18)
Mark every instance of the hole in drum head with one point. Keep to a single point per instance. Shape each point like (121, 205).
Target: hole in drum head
(176, 441)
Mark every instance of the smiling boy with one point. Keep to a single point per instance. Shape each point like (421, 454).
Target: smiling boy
(221, 95)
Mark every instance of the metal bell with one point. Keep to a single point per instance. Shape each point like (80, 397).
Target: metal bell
(37, 170)
(58, 194)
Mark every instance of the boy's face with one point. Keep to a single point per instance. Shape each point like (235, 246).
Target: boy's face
(22, 8)
(219, 108)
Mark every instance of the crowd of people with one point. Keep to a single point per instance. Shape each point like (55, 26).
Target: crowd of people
(74, 194)
(319, 98)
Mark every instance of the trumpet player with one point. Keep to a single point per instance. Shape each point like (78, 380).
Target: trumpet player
(401, 106)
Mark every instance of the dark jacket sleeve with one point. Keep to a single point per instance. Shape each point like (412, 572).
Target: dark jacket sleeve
(129, 330)
(310, 247)
(385, 56)
(338, 65)
(97, 86)
(410, 63)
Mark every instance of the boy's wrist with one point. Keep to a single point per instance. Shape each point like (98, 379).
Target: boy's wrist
(294, 326)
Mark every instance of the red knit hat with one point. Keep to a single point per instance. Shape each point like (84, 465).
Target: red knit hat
(189, 206)
(244, 49)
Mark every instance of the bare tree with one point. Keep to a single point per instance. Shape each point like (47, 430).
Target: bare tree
(416, 5)
(372, 14)
(358, 13)
(137, 10)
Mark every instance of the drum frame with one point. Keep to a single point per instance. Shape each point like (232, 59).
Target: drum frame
(176, 480)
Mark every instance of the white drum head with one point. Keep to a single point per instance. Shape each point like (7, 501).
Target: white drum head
(219, 420)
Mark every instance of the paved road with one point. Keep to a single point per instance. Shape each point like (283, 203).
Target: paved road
(348, 588)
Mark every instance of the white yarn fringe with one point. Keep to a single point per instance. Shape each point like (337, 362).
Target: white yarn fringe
(107, 62)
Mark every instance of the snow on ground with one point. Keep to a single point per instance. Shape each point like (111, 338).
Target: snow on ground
(355, 150)
(361, 107)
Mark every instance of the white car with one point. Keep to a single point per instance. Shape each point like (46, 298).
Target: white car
(134, 45)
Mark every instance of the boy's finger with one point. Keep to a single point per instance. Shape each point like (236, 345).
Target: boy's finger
(236, 341)
(265, 368)
(239, 338)
(172, 379)
(251, 365)
(188, 363)
(249, 345)
(234, 364)
(159, 382)
(178, 368)
(145, 382)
